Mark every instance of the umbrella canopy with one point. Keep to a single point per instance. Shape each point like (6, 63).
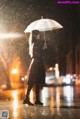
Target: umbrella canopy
(43, 25)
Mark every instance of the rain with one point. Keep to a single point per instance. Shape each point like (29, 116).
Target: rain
(59, 98)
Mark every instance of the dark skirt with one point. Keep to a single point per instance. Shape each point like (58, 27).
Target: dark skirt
(36, 74)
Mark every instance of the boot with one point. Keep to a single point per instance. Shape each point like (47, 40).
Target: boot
(37, 102)
(26, 101)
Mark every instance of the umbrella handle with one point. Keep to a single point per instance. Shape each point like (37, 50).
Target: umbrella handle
(45, 44)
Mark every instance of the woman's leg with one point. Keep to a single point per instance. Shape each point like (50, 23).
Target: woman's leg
(26, 101)
(28, 91)
(37, 87)
(37, 92)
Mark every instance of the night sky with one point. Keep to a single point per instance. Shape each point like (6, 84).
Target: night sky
(16, 15)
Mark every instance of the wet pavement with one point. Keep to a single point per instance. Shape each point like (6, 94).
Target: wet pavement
(59, 103)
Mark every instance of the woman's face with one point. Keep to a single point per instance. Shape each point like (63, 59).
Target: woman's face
(38, 36)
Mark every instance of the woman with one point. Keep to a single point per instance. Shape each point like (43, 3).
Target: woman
(36, 74)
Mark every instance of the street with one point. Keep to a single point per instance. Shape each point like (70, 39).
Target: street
(59, 103)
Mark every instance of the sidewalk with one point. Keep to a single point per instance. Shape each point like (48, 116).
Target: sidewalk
(19, 111)
(59, 103)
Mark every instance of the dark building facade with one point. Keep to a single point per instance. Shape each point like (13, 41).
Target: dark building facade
(73, 54)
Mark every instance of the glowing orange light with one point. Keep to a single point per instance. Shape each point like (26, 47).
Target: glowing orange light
(51, 69)
(22, 79)
(14, 71)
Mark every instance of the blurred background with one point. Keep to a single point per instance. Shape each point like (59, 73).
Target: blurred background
(62, 57)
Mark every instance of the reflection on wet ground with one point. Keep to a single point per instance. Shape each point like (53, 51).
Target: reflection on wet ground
(50, 96)
(59, 102)
(67, 96)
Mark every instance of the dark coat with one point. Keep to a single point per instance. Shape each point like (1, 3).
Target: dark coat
(36, 74)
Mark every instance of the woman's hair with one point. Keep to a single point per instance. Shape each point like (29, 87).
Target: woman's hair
(32, 40)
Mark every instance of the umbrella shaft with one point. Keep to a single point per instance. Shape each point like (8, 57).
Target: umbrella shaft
(45, 44)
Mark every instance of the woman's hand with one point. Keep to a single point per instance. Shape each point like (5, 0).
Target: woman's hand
(45, 45)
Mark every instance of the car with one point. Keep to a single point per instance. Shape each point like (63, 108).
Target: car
(50, 77)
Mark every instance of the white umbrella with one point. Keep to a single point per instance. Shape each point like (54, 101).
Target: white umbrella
(43, 25)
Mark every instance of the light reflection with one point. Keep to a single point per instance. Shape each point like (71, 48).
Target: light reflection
(31, 96)
(45, 94)
(68, 94)
(51, 89)
(15, 103)
(52, 103)
(57, 91)
(10, 35)
(58, 97)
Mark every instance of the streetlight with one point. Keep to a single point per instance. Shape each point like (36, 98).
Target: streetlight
(14, 71)
(15, 77)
